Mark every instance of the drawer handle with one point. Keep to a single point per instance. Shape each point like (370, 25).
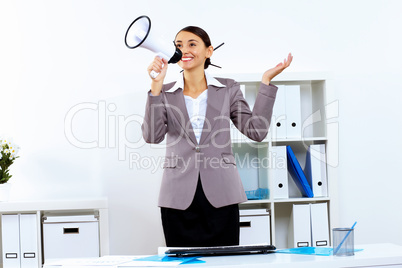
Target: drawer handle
(245, 224)
(71, 230)
(11, 255)
(302, 244)
(29, 255)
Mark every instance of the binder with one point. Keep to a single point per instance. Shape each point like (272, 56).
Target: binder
(319, 225)
(300, 226)
(293, 112)
(20, 241)
(297, 173)
(29, 241)
(280, 172)
(278, 122)
(10, 240)
(316, 169)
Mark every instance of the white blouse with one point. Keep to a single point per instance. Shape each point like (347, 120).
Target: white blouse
(197, 109)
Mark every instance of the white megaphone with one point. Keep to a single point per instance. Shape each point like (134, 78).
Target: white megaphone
(139, 35)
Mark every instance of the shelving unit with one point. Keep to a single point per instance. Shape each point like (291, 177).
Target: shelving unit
(314, 102)
(58, 208)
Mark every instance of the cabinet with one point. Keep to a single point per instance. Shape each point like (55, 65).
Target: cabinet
(317, 113)
(21, 227)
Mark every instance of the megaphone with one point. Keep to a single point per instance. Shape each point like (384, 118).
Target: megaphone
(139, 35)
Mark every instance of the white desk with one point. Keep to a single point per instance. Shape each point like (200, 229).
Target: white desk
(376, 255)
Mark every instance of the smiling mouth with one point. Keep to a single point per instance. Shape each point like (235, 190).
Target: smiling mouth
(186, 59)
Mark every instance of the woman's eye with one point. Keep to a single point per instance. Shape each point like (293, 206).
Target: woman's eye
(178, 45)
(192, 44)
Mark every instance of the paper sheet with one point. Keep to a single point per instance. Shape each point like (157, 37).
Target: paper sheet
(121, 261)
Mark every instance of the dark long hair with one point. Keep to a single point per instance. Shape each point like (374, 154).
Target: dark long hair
(201, 34)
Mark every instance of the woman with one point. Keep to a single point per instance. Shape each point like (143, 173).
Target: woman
(201, 187)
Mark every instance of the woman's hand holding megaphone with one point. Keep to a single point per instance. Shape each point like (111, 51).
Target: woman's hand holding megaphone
(159, 66)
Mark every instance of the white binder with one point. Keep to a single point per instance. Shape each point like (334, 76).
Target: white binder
(293, 111)
(20, 241)
(316, 169)
(280, 172)
(10, 241)
(243, 90)
(29, 241)
(319, 225)
(278, 122)
(300, 226)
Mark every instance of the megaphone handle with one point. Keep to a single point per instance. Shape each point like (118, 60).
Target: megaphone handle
(153, 74)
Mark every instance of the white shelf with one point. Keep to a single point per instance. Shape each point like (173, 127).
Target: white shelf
(283, 77)
(313, 103)
(52, 205)
(301, 200)
(62, 207)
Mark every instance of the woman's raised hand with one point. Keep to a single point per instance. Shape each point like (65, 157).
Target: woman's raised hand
(271, 73)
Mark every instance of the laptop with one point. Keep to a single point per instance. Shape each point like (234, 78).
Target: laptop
(221, 250)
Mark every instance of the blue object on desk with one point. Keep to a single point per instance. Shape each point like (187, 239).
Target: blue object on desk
(297, 173)
(165, 258)
(260, 193)
(307, 251)
(320, 251)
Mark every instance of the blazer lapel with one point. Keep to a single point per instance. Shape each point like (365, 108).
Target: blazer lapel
(177, 105)
(215, 104)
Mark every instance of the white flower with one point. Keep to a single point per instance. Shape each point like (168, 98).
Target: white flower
(4, 141)
(13, 147)
(13, 151)
(6, 151)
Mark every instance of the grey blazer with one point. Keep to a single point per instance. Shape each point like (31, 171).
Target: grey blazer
(212, 159)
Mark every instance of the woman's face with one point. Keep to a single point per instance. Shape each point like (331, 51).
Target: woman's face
(194, 50)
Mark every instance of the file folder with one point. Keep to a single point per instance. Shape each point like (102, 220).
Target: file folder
(300, 226)
(319, 225)
(316, 169)
(10, 240)
(29, 241)
(278, 125)
(293, 111)
(297, 173)
(280, 172)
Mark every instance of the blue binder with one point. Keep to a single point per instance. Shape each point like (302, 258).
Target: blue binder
(297, 173)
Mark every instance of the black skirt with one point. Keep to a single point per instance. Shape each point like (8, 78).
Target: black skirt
(201, 225)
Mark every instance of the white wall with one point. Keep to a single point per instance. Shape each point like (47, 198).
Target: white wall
(58, 56)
